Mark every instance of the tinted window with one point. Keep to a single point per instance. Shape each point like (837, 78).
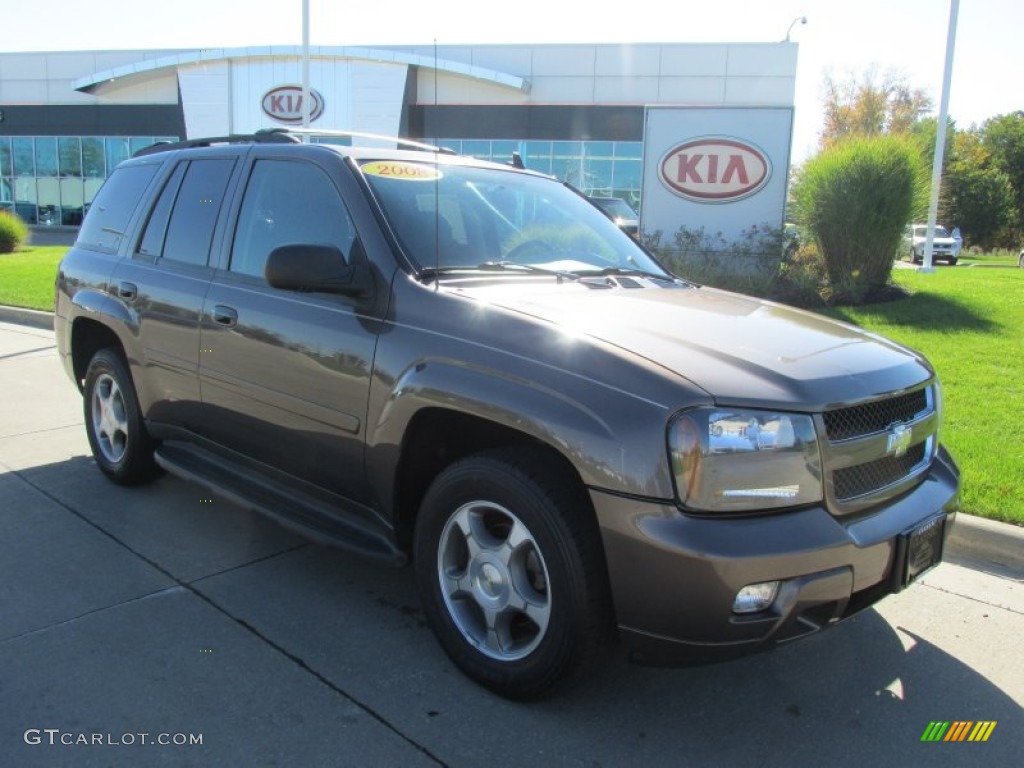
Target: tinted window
(199, 199)
(287, 203)
(153, 240)
(109, 213)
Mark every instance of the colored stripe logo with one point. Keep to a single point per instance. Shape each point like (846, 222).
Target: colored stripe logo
(959, 730)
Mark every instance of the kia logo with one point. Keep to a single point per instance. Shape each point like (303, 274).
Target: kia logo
(284, 104)
(715, 169)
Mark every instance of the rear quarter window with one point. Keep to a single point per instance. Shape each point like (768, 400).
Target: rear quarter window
(107, 220)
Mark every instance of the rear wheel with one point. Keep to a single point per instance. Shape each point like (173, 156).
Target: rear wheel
(511, 574)
(120, 444)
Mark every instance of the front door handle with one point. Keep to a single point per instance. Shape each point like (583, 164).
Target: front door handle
(126, 290)
(226, 316)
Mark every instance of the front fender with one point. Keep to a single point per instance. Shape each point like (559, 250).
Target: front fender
(615, 440)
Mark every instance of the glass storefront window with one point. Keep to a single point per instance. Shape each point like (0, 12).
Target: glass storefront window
(72, 201)
(117, 150)
(5, 156)
(51, 180)
(24, 157)
(48, 200)
(93, 159)
(69, 155)
(25, 198)
(46, 156)
(92, 186)
(480, 149)
(501, 151)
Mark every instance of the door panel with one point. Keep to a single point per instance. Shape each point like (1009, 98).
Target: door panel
(285, 376)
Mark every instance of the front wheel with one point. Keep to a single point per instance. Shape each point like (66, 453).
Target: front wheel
(120, 444)
(511, 574)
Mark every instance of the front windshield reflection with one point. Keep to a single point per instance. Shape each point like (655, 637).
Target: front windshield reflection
(464, 216)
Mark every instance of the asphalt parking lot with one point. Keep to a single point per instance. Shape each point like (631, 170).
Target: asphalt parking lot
(162, 611)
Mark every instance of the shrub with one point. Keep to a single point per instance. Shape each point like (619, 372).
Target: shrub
(854, 199)
(13, 232)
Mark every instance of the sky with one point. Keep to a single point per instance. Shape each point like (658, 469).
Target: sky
(907, 37)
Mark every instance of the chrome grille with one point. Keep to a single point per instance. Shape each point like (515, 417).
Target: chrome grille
(870, 418)
(875, 475)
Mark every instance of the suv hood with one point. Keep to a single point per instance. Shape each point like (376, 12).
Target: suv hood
(743, 350)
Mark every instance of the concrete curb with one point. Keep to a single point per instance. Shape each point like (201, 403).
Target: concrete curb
(30, 317)
(980, 539)
(972, 538)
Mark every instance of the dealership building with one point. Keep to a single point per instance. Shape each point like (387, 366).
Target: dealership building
(699, 133)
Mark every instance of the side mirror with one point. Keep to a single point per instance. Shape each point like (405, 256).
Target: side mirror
(317, 268)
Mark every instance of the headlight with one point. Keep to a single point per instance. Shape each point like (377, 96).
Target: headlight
(739, 460)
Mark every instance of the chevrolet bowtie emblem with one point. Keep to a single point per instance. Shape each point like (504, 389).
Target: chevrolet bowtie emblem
(898, 440)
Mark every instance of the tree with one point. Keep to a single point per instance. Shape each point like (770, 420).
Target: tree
(1003, 137)
(976, 195)
(870, 105)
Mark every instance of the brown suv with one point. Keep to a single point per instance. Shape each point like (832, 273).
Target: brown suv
(419, 356)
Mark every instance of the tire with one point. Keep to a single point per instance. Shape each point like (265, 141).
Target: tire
(120, 444)
(511, 574)
(1020, 260)
(952, 262)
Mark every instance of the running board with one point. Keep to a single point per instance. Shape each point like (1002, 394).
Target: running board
(316, 519)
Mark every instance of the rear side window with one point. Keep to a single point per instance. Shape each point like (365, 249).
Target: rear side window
(108, 216)
(152, 243)
(197, 202)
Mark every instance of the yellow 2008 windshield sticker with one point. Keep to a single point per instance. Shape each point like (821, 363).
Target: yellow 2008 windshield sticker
(397, 169)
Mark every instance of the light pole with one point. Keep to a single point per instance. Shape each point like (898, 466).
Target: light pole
(305, 66)
(797, 20)
(940, 139)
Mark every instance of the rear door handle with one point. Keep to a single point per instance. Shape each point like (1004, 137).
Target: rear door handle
(225, 315)
(126, 290)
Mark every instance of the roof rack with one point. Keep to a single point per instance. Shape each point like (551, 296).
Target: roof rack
(285, 136)
(411, 143)
(265, 136)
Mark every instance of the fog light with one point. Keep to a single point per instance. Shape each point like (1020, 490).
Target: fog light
(755, 597)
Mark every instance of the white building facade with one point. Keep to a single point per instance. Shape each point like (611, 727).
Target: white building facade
(585, 113)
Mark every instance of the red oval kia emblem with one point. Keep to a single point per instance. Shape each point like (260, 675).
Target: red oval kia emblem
(715, 169)
(284, 104)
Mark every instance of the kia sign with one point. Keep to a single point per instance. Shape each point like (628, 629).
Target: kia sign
(284, 104)
(715, 169)
(720, 169)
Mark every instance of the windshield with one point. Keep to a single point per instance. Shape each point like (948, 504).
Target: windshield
(923, 231)
(449, 216)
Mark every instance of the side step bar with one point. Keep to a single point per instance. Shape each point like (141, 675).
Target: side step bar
(311, 517)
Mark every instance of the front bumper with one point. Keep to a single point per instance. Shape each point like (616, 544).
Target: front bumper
(674, 577)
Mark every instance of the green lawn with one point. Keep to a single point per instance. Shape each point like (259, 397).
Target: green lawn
(27, 276)
(968, 321)
(970, 324)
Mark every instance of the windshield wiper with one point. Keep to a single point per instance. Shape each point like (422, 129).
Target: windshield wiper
(498, 266)
(625, 272)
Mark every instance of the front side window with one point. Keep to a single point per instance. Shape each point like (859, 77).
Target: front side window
(288, 203)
